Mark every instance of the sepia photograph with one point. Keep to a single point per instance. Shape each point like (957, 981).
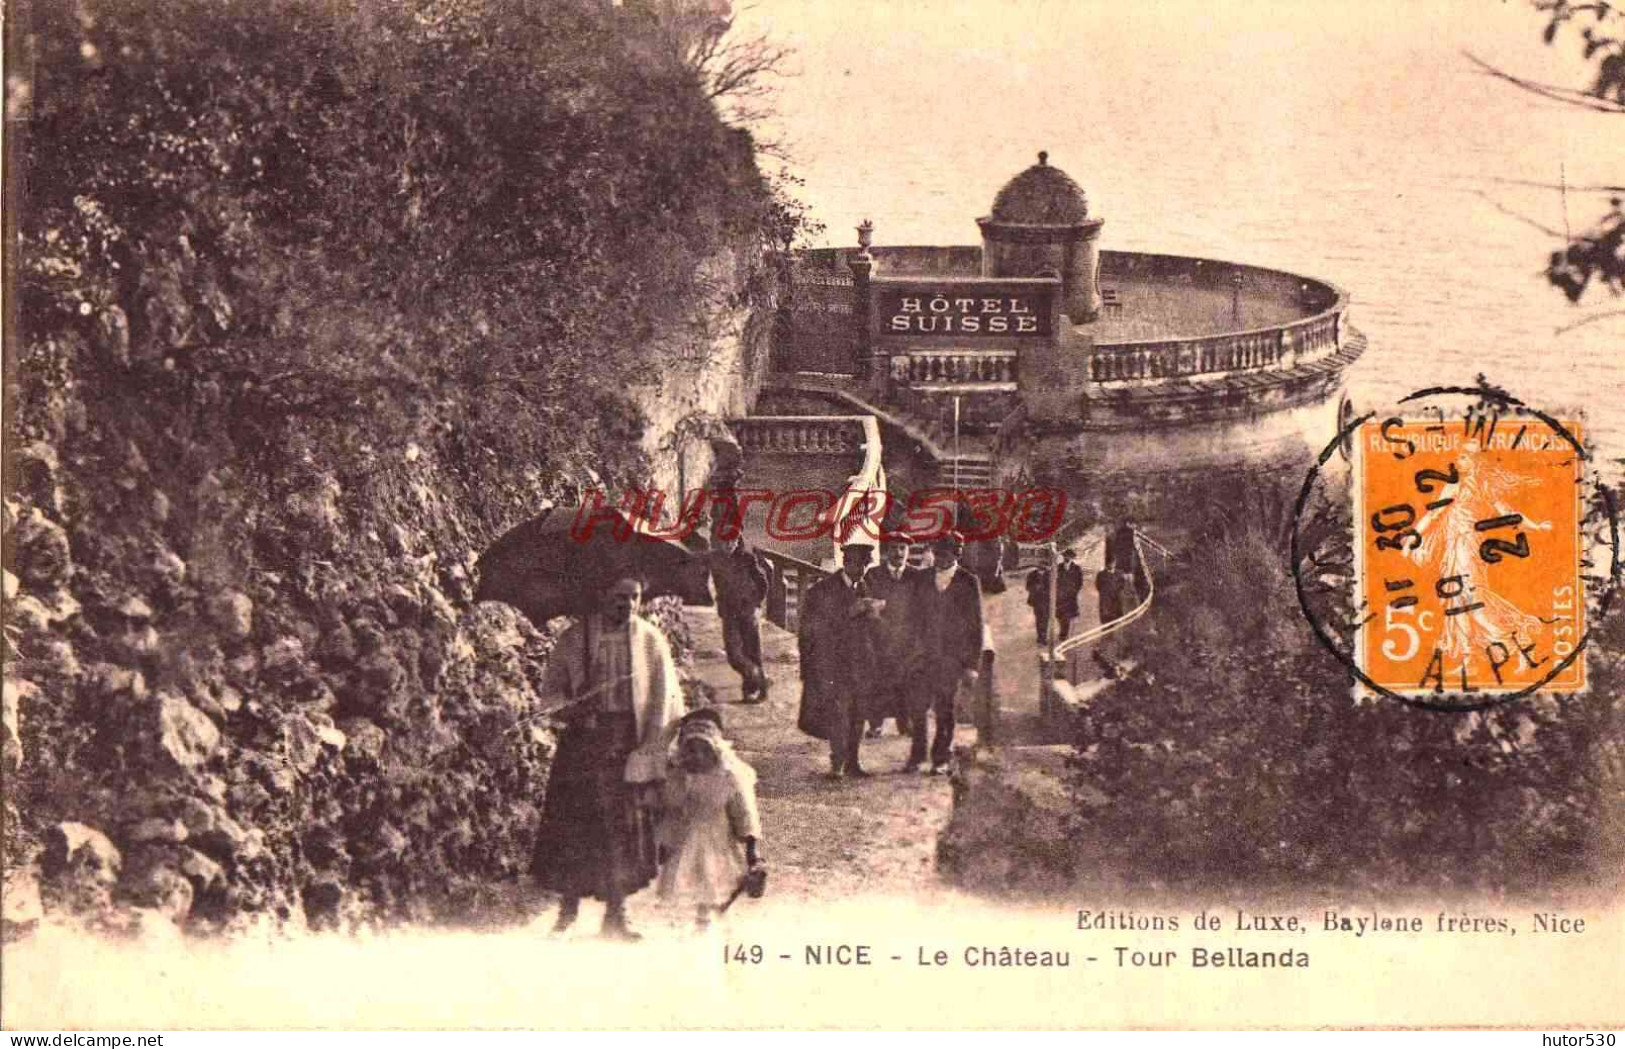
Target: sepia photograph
(813, 514)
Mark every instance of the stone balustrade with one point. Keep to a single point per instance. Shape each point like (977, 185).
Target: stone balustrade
(1317, 336)
(1280, 347)
(832, 435)
(849, 440)
(789, 580)
(946, 367)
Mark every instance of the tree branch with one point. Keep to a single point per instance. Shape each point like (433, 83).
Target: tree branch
(1567, 95)
(1526, 220)
(1560, 187)
(1589, 320)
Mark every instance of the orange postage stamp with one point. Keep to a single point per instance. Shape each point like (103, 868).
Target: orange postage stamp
(1468, 556)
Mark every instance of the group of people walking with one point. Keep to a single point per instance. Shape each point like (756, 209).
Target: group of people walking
(1067, 582)
(1119, 586)
(889, 641)
(641, 791)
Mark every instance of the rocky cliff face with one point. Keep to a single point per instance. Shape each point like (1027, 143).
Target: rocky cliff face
(313, 302)
(248, 684)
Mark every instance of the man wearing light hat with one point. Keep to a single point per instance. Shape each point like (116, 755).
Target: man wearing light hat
(837, 623)
(616, 674)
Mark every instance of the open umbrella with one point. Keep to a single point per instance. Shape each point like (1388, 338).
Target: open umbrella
(550, 566)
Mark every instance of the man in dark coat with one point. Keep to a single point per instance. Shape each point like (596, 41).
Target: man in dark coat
(1067, 591)
(1123, 556)
(838, 620)
(949, 628)
(896, 647)
(1110, 587)
(1038, 583)
(741, 587)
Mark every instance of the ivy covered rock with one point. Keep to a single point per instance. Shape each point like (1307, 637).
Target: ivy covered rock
(294, 348)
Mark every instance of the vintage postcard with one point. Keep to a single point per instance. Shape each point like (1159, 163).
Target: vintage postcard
(815, 514)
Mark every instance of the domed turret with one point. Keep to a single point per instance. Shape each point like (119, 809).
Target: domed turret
(1041, 196)
(1040, 224)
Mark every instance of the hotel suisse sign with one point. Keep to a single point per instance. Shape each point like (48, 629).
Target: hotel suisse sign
(962, 312)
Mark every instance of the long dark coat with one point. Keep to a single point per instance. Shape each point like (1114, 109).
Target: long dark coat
(836, 643)
(897, 645)
(1066, 597)
(1038, 590)
(949, 629)
(1111, 585)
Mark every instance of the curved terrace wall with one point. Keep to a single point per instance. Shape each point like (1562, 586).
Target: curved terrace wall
(1318, 334)
(922, 260)
(1314, 296)
(1311, 295)
(1302, 346)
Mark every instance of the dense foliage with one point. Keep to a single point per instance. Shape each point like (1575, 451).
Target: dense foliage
(1234, 753)
(477, 211)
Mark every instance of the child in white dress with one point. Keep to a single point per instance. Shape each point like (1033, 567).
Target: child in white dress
(709, 824)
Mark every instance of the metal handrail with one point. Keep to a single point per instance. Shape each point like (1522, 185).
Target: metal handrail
(1095, 633)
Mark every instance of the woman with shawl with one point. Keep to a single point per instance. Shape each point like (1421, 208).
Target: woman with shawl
(598, 822)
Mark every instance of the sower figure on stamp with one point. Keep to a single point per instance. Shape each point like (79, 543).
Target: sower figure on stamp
(949, 623)
(838, 620)
(741, 587)
(896, 646)
(598, 823)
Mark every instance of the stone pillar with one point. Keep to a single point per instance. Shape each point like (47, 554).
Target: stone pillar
(863, 268)
(783, 324)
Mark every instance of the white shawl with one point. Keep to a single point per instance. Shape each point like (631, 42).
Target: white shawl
(657, 694)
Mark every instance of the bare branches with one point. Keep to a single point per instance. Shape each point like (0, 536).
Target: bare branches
(738, 69)
(1596, 257)
(1566, 95)
(1592, 319)
(1598, 254)
(1558, 186)
(1526, 220)
(733, 70)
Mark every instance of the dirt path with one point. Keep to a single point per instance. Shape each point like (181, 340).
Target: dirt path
(850, 862)
(832, 841)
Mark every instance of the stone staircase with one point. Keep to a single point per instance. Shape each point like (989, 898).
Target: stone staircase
(974, 470)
